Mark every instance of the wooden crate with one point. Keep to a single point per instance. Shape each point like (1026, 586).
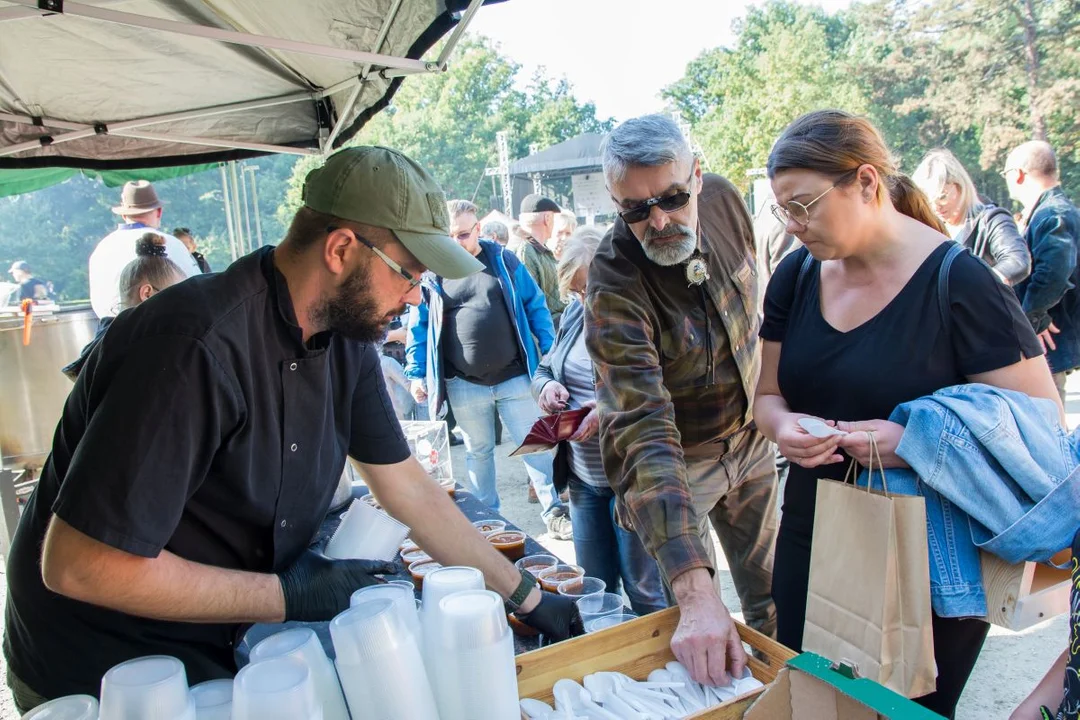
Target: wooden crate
(637, 648)
(1022, 595)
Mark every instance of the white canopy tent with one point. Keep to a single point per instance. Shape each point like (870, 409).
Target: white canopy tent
(121, 84)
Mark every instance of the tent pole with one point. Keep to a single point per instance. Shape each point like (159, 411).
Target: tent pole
(343, 118)
(228, 211)
(455, 37)
(235, 183)
(255, 203)
(116, 128)
(237, 38)
(247, 211)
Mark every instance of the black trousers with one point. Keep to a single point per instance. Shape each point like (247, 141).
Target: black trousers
(957, 641)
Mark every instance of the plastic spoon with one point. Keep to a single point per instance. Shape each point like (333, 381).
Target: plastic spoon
(692, 689)
(601, 687)
(536, 710)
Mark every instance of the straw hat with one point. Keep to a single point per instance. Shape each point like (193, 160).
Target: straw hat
(137, 197)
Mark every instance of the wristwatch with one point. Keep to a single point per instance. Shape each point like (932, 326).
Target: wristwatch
(528, 582)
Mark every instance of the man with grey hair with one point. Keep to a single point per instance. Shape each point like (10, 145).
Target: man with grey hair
(536, 223)
(1051, 294)
(477, 342)
(495, 231)
(671, 326)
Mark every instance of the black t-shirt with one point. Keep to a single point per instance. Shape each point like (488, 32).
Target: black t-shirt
(34, 289)
(479, 339)
(901, 354)
(203, 425)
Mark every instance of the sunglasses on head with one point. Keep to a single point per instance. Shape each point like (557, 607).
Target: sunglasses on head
(667, 203)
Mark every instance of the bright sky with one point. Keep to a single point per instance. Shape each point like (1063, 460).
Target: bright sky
(617, 53)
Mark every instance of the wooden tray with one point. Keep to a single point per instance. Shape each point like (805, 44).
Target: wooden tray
(1022, 595)
(637, 648)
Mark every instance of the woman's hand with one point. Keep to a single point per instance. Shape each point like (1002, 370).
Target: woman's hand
(857, 444)
(553, 398)
(802, 448)
(589, 425)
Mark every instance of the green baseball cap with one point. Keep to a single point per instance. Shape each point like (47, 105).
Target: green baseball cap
(381, 187)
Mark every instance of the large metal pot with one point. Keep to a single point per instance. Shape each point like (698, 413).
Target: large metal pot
(32, 388)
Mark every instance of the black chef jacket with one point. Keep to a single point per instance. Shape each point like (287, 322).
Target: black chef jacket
(204, 426)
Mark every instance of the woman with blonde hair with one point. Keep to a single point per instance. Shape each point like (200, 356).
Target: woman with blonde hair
(565, 380)
(982, 227)
(875, 311)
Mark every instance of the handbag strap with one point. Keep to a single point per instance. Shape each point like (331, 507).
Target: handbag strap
(943, 284)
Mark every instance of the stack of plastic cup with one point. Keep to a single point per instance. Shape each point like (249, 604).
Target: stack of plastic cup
(213, 700)
(72, 707)
(280, 688)
(596, 606)
(147, 687)
(367, 534)
(304, 645)
(402, 593)
(475, 676)
(447, 581)
(379, 663)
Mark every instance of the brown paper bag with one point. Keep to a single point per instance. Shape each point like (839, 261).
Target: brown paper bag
(869, 597)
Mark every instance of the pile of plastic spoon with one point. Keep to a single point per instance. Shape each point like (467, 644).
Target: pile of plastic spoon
(668, 694)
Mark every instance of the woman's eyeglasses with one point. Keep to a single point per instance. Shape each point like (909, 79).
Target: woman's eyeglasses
(794, 210)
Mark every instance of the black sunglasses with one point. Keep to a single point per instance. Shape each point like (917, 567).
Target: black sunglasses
(667, 203)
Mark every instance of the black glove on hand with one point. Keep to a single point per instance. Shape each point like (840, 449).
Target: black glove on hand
(556, 616)
(317, 588)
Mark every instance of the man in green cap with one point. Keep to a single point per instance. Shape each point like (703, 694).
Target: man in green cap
(199, 450)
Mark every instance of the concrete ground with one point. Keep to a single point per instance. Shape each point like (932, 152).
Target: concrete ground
(1009, 667)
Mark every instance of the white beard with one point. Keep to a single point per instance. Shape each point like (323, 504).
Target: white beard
(670, 252)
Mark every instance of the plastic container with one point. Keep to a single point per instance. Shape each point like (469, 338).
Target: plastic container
(429, 441)
(401, 593)
(379, 663)
(366, 534)
(303, 644)
(489, 526)
(551, 577)
(281, 688)
(608, 621)
(148, 687)
(439, 584)
(213, 700)
(420, 570)
(577, 588)
(596, 606)
(413, 556)
(71, 707)
(510, 543)
(476, 676)
(535, 563)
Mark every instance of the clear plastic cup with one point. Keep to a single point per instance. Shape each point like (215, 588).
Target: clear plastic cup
(446, 581)
(401, 593)
(71, 707)
(476, 676)
(608, 621)
(577, 588)
(379, 664)
(154, 686)
(536, 563)
(366, 533)
(596, 606)
(489, 526)
(303, 644)
(213, 700)
(281, 688)
(550, 577)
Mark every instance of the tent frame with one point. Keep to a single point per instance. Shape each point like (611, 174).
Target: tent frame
(389, 67)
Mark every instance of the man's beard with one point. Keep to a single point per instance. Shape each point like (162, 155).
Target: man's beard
(352, 312)
(679, 243)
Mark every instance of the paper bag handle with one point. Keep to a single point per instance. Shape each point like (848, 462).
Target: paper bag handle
(851, 476)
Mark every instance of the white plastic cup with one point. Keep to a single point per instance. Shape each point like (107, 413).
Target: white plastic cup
(475, 676)
(304, 645)
(148, 687)
(213, 700)
(447, 581)
(402, 593)
(596, 606)
(608, 621)
(71, 707)
(379, 663)
(366, 534)
(280, 688)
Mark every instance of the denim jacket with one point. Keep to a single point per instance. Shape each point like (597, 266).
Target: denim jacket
(524, 301)
(998, 473)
